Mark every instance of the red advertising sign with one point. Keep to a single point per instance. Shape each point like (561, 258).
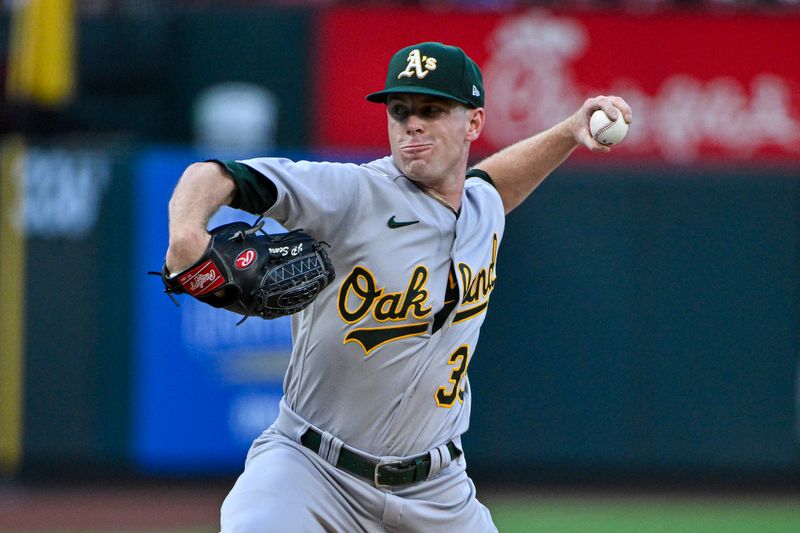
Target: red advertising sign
(701, 86)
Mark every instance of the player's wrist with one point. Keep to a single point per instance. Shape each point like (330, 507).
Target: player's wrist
(576, 128)
(185, 248)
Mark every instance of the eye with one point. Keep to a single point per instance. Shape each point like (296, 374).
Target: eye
(398, 111)
(433, 110)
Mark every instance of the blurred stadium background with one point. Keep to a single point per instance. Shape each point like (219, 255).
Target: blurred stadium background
(639, 370)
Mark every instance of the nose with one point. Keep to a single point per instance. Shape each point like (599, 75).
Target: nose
(414, 124)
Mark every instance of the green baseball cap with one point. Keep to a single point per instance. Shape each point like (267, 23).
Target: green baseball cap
(436, 69)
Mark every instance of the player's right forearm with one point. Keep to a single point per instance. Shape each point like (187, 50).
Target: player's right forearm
(201, 191)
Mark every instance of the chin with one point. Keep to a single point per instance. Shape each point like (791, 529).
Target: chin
(416, 170)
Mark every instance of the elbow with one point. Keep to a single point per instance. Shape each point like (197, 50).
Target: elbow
(203, 172)
(207, 181)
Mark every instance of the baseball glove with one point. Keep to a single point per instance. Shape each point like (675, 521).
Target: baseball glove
(255, 274)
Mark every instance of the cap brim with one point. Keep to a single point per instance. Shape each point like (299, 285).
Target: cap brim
(380, 97)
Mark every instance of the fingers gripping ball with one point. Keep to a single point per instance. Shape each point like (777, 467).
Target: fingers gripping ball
(249, 272)
(607, 131)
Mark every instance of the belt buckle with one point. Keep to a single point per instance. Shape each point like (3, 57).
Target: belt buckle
(376, 475)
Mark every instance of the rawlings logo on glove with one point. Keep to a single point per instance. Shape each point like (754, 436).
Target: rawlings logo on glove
(202, 279)
(247, 271)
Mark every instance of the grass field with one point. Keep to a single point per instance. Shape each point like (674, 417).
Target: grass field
(642, 514)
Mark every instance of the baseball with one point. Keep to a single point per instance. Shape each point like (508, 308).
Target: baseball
(607, 131)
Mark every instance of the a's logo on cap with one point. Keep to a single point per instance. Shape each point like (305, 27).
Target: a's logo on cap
(475, 91)
(418, 65)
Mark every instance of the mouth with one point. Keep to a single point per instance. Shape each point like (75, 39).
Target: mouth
(415, 148)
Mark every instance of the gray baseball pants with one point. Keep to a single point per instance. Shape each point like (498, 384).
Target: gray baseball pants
(287, 488)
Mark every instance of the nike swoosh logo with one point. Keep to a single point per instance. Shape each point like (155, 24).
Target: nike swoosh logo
(395, 224)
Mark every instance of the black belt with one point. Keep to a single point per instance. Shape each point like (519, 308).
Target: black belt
(381, 474)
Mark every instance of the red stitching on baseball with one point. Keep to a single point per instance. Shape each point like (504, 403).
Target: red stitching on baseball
(604, 128)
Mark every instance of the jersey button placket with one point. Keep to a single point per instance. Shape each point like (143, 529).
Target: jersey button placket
(454, 266)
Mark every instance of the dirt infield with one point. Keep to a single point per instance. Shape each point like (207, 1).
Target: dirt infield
(112, 506)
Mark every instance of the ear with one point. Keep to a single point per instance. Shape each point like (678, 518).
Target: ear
(476, 118)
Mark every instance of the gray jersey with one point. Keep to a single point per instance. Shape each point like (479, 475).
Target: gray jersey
(367, 365)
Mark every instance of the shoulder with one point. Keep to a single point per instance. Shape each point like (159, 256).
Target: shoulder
(480, 183)
(382, 169)
(481, 175)
(480, 192)
(291, 165)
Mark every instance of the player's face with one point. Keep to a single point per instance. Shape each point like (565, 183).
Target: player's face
(430, 136)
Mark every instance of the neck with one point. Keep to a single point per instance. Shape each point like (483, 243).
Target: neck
(449, 196)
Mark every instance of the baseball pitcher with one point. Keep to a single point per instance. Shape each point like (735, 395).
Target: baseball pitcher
(377, 395)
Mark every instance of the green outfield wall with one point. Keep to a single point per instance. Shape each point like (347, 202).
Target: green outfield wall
(644, 320)
(76, 218)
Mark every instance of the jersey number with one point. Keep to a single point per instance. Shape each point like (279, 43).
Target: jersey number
(446, 395)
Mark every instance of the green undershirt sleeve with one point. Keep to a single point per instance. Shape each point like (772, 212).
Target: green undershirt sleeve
(255, 193)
